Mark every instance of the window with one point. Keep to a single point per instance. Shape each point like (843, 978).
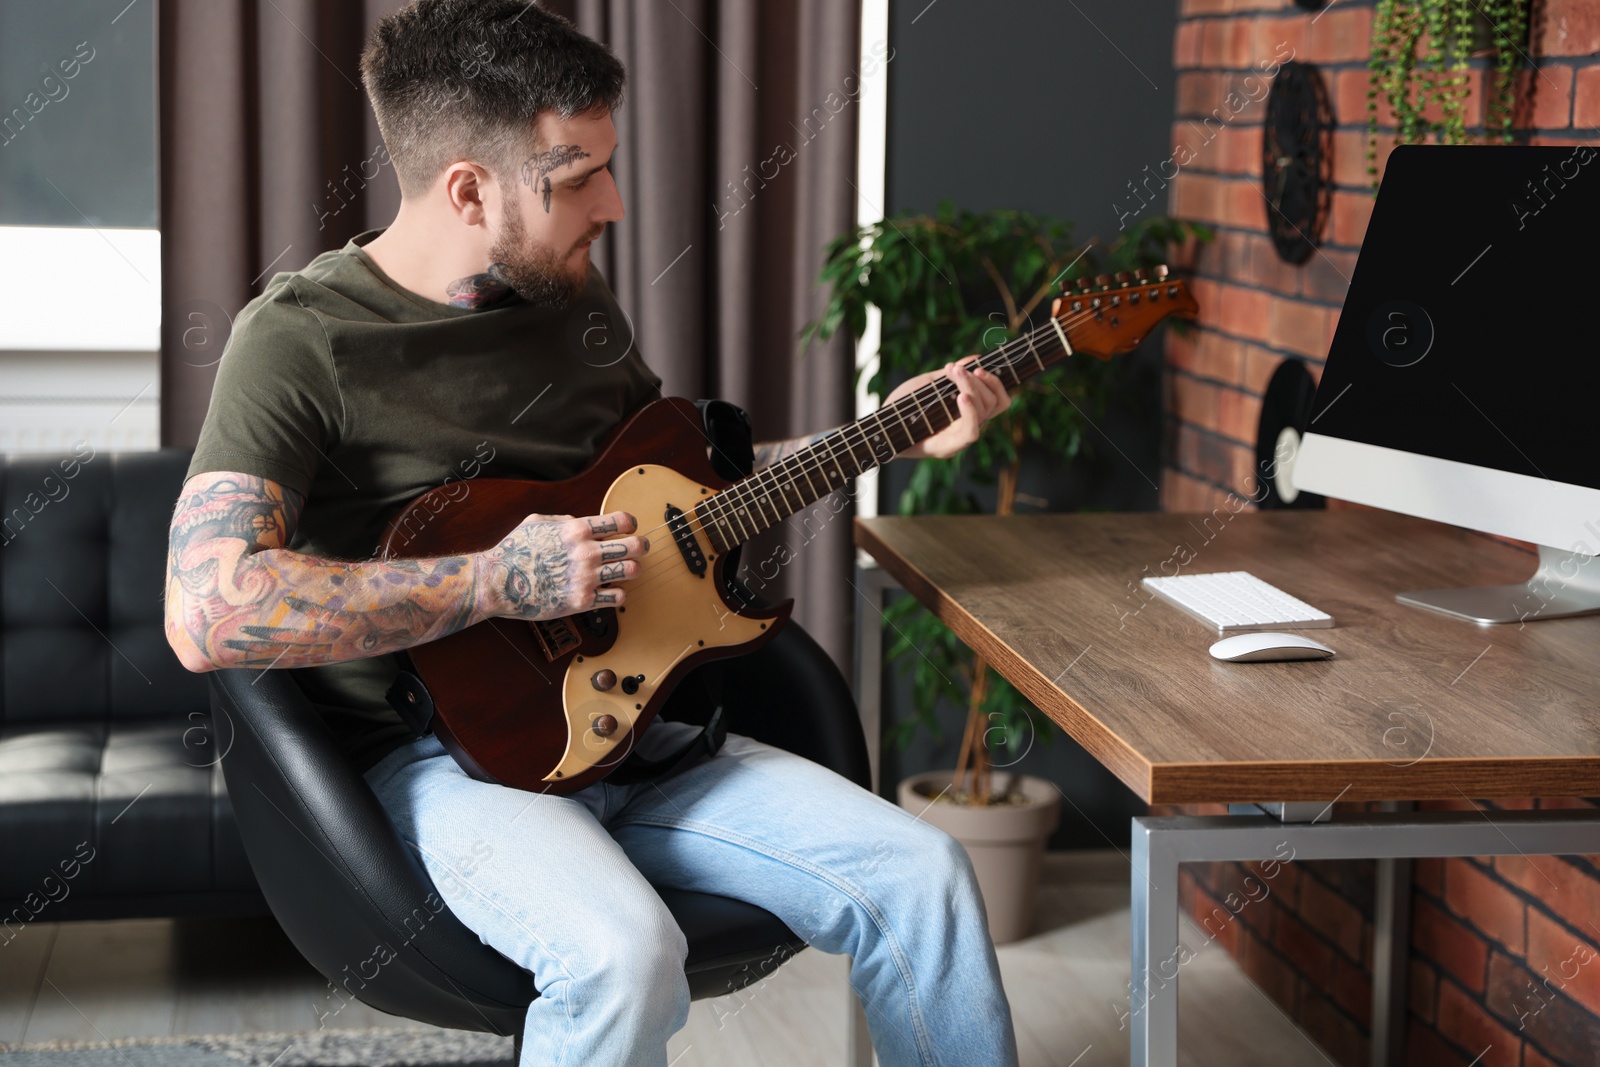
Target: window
(80, 282)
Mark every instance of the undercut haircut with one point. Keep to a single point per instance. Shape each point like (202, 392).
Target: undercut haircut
(466, 79)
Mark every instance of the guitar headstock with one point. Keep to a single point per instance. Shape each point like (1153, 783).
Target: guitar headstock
(1111, 315)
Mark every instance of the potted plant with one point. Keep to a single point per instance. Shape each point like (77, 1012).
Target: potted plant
(949, 284)
(1418, 65)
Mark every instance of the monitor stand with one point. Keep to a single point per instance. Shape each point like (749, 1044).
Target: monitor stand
(1566, 584)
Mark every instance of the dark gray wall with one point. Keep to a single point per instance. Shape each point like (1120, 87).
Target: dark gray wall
(1054, 108)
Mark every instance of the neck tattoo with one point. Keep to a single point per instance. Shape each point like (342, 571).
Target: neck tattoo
(478, 290)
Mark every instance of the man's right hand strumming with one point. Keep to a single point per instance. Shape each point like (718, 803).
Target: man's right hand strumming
(555, 565)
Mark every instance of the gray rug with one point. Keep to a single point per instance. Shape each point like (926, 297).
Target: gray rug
(324, 1048)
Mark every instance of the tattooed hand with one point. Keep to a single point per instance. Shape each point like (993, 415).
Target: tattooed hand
(555, 565)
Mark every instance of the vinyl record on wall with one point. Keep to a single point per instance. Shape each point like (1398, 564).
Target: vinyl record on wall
(1285, 413)
(1297, 160)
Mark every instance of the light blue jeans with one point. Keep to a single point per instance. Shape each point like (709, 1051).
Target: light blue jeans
(563, 887)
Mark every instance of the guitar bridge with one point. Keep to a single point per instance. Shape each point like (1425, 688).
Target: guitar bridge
(556, 637)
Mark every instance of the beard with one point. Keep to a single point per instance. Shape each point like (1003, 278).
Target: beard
(539, 277)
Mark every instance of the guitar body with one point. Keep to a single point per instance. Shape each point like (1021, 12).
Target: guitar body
(517, 702)
(554, 706)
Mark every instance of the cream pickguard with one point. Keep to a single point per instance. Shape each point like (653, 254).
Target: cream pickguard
(674, 614)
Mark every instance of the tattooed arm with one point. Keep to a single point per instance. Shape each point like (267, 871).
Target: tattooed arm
(237, 597)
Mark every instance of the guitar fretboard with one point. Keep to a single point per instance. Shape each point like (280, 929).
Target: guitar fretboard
(772, 494)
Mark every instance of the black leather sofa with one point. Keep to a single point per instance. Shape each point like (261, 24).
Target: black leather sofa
(112, 803)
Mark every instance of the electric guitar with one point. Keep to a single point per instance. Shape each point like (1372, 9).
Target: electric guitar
(555, 705)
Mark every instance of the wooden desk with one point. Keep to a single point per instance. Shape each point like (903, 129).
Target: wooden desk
(1507, 711)
(1414, 706)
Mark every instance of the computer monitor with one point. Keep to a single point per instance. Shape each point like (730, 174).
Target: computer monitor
(1463, 382)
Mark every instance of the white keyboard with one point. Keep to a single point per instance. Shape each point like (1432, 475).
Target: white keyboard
(1235, 601)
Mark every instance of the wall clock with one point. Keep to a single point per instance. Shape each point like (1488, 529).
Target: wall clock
(1297, 160)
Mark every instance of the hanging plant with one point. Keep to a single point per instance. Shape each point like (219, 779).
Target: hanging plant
(1412, 80)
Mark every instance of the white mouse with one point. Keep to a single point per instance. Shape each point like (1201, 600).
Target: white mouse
(1263, 647)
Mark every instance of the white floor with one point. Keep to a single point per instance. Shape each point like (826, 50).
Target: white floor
(1067, 986)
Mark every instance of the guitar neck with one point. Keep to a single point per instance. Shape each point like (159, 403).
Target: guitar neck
(775, 492)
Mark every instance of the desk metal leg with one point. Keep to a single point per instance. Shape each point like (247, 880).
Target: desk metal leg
(1153, 994)
(1161, 844)
(1391, 955)
(871, 582)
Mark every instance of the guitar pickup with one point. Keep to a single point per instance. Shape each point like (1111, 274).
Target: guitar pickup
(678, 523)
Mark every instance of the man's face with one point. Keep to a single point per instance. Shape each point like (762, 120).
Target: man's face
(557, 202)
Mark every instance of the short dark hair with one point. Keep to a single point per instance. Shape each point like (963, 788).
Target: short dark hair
(465, 79)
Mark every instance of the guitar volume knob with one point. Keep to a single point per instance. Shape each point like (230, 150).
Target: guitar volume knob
(604, 681)
(605, 725)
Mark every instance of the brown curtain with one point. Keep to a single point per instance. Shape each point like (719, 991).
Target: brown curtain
(737, 150)
(266, 137)
(735, 161)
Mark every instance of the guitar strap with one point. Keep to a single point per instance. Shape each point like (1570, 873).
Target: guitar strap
(727, 428)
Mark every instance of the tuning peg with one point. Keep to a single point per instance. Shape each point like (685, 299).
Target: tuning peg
(1160, 271)
(1141, 274)
(1083, 285)
(1123, 277)
(1102, 280)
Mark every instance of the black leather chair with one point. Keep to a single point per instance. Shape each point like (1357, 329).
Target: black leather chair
(111, 803)
(355, 901)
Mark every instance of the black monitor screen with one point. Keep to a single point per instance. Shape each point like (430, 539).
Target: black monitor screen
(1469, 330)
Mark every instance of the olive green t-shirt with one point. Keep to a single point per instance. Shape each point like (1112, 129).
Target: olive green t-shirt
(359, 394)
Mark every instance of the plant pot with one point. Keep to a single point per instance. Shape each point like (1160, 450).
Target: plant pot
(1005, 843)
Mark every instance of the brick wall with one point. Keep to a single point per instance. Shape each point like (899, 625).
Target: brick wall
(1505, 955)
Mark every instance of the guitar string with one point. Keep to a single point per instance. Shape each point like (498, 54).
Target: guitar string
(760, 485)
(1011, 353)
(744, 498)
(750, 492)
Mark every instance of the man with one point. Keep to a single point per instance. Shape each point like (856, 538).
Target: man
(454, 339)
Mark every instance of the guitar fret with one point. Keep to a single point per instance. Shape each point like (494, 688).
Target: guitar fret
(715, 528)
(838, 468)
(767, 498)
(733, 513)
(910, 437)
(883, 434)
(1001, 363)
(812, 485)
(754, 495)
(866, 442)
(762, 497)
(787, 482)
(1035, 351)
(745, 515)
(849, 450)
(920, 411)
